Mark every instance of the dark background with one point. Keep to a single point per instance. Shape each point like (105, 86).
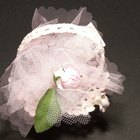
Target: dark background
(119, 20)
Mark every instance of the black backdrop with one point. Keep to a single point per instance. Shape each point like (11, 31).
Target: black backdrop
(119, 20)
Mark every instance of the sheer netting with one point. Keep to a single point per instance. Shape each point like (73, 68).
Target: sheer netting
(58, 42)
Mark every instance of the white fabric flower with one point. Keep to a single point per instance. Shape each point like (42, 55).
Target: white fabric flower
(69, 77)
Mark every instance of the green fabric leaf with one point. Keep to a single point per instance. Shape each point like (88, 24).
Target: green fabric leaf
(47, 111)
(55, 78)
